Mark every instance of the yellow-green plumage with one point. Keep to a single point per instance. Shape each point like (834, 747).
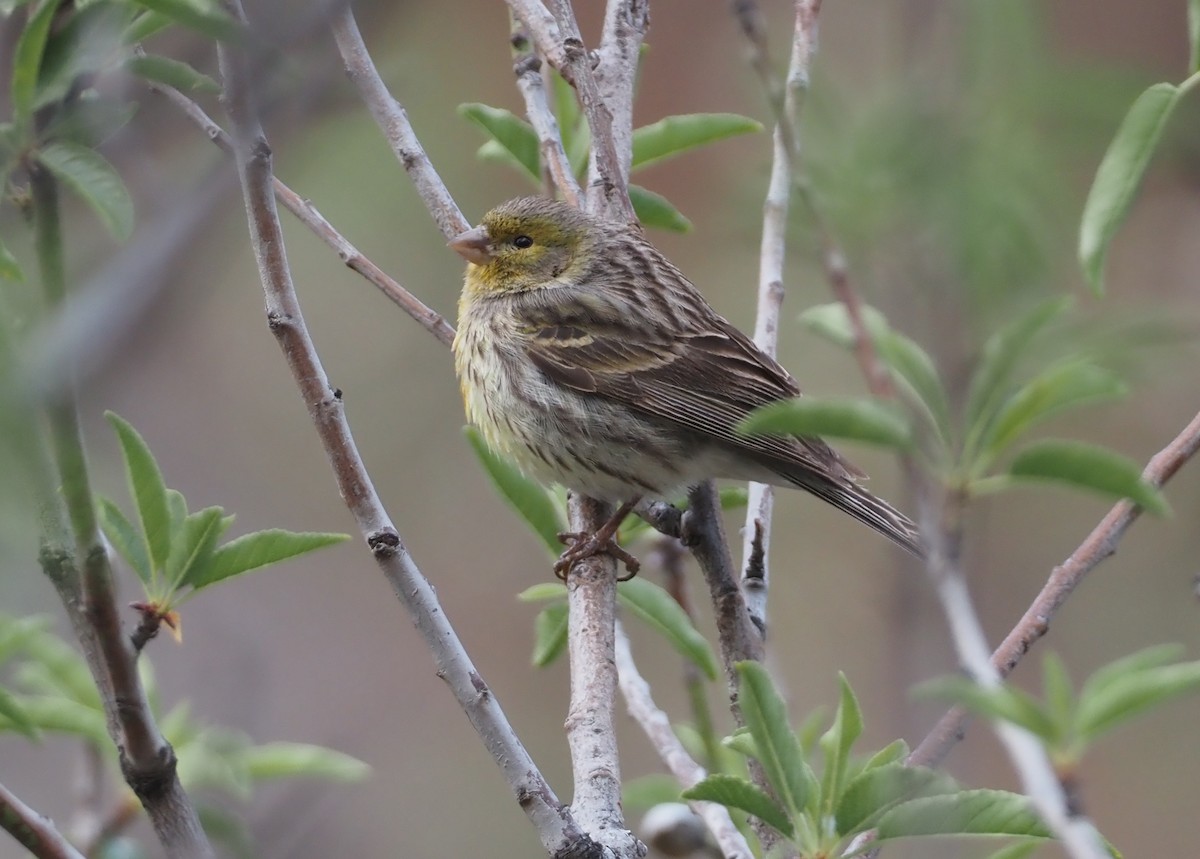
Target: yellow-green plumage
(589, 360)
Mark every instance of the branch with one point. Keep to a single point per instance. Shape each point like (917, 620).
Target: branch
(657, 727)
(559, 833)
(1035, 623)
(32, 830)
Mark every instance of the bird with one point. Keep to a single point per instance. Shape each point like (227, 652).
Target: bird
(586, 358)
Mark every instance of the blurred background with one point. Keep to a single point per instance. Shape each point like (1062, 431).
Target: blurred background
(951, 145)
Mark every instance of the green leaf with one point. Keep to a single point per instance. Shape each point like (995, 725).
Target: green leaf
(509, 131)
(832, 322)
(654, 210)
(55, 669)
(64, 716)
(1056, 686)
(177, 505)
(576, 137)
(543, 591)
(90, 120)
(173, 73)
(125, 539)
(145, 26)
(1000, 356)
(260, 549)
(866, 420)
(741, 742)
(660, 610)
(27, 59)
(872, 793)
(913, 366)
(279, 760)
(674, 135)
(736, 792)
(1088, 466)
(1122, 697)
(525, 496)
(10, 269)
(1007, 703)
(14, 715)
(837, 742)
(1193, 25)
(968, 812)
(89, 42)
(1119, 175)
(649, 790)
(192, 547)
(777, 747)
(1052, 391)
(205, 16)
(1150, 657)
(18, 634)
(91, 177)
(896, 750)
(1016, 850)
(147, 489)
(549, 634)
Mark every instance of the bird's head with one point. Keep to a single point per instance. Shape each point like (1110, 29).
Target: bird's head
(524, 244)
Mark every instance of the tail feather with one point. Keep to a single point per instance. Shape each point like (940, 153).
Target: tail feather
(873, 512)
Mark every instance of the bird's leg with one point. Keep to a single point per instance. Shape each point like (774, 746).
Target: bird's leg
(584, 545)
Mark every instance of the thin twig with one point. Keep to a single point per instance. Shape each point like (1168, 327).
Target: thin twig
(657, 727)
(625, 25)
(33, 831)
(543, 29)
(559, 833)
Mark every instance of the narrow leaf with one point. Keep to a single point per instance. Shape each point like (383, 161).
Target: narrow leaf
(897, 750)
(549, 634)
(1193, 25)
(660, 610)
(866, 420)
(1089, 467)
(14, 714)
(63, 716)
(514, 134)
(1007, 703)
(192, 547)
(279, 760)
(1150, 657)
(1060, 702)
(837, 742)
(833, 323)
(1123, 698)
(655, 210)
(1054, 390)
(525, 496)
(173, 73)
(260, 549)
(871, 794)
(91, 177)
(205, 16)
(913, 366)
(543, 591)
(1119, 175)
(735, 792)
(10, 269)
(777, 747)
(147, 489)
(145, 26)
(674, 135)
(27, 59)
(125, 539)
(968, 812)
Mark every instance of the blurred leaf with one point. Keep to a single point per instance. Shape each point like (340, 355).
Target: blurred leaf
(10, 269)
(543, 591)
(810, 730)
(654, 210)
(125, 539)
(260, 549)
(525, 496)
(549, 634)
(95, 181)
(832, 322)
(1052, 391)
(872, 793)
(571, 123)
(89, 42)
(1104, 706)
(146, 25)
(777, 748)
(1018, 850)
(12, 713)
(173, 73)
(1091, 467)
(666, 617)
(215, 759)
(836, 744)
(18, 633)
(288, 760)
(912, 364)
(192, 546)
(649, 790)
(1193, 25)
(674, 135)
(1057, 691)
(1119, 175)
(147, 489)
(1001, 353)
(27, 59)
(967, 812)
(205, 16)
(733, 497)
(735, 792)
(509, 131)
(63, 716)
(89, 120)
(1006, 703)
(897, 750)
(1142, 660)
(859, 419)
(224, 828)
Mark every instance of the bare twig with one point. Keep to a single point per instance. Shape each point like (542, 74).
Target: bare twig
(392, 119)
(32, 830)
(657, 727)
(625, 25)
(1035, 623)
(543, 29)
(559, 833)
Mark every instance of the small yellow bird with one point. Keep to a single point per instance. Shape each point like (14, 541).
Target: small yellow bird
(588, 359)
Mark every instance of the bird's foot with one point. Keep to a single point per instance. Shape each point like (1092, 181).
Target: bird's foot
(583, 545)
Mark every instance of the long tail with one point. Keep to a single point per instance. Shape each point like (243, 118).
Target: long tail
(874, 512)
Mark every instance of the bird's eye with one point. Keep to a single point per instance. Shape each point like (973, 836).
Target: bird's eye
(523, 242)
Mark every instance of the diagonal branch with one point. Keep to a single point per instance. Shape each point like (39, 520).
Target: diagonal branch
(33, 831)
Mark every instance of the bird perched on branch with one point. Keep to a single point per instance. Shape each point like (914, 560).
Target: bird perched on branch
(588, 359)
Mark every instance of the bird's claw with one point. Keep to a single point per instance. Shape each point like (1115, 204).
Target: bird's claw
(583, 545)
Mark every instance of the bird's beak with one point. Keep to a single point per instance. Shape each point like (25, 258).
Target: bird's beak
(473, 246)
